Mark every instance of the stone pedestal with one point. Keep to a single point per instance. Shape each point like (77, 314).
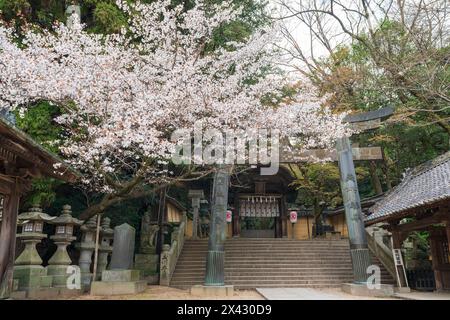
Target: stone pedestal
(28, 271)
(117, 282)
(147, 264)
(32, 277)
(60, 261)
(361, 289)
(212, 291)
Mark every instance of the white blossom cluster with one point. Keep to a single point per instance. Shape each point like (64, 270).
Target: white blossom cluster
(124, 94)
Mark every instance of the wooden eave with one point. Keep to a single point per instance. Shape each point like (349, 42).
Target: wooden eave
(28, 159)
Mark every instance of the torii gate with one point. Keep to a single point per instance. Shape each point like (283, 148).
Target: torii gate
(345, 155)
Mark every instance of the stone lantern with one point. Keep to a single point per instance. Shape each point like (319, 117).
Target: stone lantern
(27, 267)
(64, 225)
(105, 246)
(86, 247)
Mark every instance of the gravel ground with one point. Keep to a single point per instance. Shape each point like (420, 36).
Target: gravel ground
(167, 293)
(312, 294)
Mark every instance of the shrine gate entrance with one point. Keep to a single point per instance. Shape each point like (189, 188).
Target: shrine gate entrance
(258, 215)
(258, 204)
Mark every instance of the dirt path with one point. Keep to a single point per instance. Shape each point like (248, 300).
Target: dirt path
(167, 293)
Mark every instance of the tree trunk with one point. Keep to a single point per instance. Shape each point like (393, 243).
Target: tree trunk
(376, 184)
(318, 209)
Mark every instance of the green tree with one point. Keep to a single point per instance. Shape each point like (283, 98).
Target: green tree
(318, 186)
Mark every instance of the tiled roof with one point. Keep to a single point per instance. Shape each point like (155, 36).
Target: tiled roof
(423, 185)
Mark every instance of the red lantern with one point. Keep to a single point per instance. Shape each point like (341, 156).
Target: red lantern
(228, 216)
(293, 216)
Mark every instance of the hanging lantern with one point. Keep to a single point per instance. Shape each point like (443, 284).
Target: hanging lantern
(293, 216)
(228, 216)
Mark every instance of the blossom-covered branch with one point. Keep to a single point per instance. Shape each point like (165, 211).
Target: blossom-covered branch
(124, 94)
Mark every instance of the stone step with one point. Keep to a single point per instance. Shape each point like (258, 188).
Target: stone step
(252, 263)
(272, 282)
(270, 261)
(267, 247)
(252, 286)
(271, 278)
(302, 253)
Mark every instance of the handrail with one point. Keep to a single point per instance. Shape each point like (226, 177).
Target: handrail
(170, 253)
(383, 253)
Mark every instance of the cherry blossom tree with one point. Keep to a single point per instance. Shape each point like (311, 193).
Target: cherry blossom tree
(123, 95)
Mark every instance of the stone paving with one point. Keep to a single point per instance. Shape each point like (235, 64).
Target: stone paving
(415, 295)
(337, 294)
(310, 294)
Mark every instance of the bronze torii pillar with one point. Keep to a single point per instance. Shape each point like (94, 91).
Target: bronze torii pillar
(215, 260)
(354, 217)
(359, 249)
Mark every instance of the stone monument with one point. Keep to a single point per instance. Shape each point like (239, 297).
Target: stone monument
(121, 278)
(123, 250)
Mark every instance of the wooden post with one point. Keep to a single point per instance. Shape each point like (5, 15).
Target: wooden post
(284, 220)
(97, 237)
(8, 240)
(435, 259)
(447, 231)
(307, 225)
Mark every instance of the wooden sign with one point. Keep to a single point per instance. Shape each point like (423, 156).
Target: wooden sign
(398, 259)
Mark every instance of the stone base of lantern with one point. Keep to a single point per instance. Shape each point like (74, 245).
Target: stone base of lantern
(361, 289)
(207, 291)
(116, 282)
(110, 288)
(46, 293)
(32, 277)
(59, 274)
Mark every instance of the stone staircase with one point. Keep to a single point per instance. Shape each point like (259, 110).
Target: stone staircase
(252, 263)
